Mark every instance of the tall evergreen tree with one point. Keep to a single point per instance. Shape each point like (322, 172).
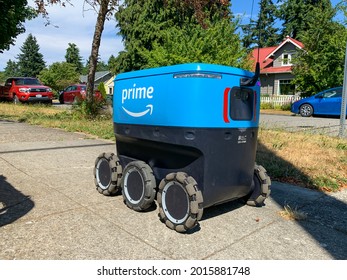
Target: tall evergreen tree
(295, 15)
(163, 32)
(262, 32)
(30, 60)
(73, 57)
(112, 62)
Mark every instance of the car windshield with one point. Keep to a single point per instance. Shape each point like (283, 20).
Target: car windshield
(27, 82)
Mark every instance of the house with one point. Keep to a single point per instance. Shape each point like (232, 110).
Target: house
(105, 77)
(276, 67)
(109, 85)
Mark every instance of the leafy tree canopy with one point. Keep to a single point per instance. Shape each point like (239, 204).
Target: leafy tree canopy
(163, 32)
(13, 15)
(321, 64)
(296, 15)
(59, 75)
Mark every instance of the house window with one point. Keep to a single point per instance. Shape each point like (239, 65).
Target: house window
(286, 59)
(286, 88)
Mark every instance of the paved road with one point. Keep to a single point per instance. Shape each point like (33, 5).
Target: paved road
(49, 209)
(322, 125)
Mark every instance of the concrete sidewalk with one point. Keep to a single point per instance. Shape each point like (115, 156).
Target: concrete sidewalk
(49, 209)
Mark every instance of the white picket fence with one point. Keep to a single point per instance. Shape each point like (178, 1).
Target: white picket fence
(279, 99)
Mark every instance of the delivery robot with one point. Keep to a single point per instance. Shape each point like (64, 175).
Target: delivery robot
(186, 136)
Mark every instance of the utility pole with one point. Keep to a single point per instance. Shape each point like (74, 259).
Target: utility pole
(344, 101)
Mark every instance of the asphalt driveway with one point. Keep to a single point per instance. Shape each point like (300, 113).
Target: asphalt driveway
(49, 209)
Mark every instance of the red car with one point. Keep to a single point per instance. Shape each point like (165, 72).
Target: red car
(25, 89)
(76, 93)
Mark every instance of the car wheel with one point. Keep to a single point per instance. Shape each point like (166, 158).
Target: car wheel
(180, 202)
(306, 110)
(16, 99)
(138, 186)
(61, 98)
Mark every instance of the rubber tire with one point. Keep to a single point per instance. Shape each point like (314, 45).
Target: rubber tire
(61, 98)
(16, 99)
(306, 110)
(113, 178)
(148, 192)
(262, 187)
(194, 198)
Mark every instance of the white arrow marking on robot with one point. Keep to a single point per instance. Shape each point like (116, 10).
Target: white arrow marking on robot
(141, 114)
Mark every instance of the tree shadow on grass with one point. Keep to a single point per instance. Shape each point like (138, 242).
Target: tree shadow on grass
(13, 203)
(326, 213)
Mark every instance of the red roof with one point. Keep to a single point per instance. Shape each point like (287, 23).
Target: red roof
(283, 69)
(266, 57)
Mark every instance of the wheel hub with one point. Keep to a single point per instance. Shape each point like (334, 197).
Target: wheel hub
(175, 202)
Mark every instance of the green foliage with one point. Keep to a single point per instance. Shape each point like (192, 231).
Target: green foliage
(59, 75)
(88, 109)
(11, 69)
(3, 78)
(172, 31)
(30, 60)
(13, 15)
(101, 66)
(273, 106)
(216, 44)
(295, 15)
(112, 64)
(320, 65)
(73, 57)
(262, 32)
(101, 88)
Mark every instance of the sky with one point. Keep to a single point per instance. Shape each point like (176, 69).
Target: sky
(75, 24)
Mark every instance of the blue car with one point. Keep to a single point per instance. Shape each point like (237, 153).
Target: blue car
(327, 102)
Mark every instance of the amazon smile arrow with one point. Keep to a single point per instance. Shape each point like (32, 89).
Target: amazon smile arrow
(140, 114)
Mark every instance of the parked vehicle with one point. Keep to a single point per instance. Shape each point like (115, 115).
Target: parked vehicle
(24, 89)
(327, 102)
(76, 93)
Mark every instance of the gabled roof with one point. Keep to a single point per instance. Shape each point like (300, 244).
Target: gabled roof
(98, 76)
(266, 56)
(296, 43)
(263, 53)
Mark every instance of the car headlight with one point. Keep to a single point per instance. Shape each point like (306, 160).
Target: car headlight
(24, 90)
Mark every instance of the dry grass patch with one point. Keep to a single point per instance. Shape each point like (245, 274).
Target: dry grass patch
(69, 120)
(313, 161)
(292, 214)
(9, 110)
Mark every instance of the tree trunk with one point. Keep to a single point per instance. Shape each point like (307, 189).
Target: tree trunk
(93, 60)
